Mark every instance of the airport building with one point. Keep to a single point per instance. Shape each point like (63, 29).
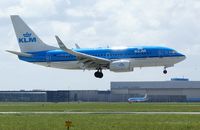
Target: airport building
(23, 96)
(160, 91)
(175, 90)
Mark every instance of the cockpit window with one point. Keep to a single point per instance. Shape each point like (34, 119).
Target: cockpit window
(172, 52)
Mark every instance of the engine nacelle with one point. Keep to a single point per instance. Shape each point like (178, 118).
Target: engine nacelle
(121, 66)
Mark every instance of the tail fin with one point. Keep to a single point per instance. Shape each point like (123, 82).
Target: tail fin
(145, 96)
(28, 41)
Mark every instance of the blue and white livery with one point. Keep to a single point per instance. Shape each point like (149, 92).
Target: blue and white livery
(138, 99)
(34, 50)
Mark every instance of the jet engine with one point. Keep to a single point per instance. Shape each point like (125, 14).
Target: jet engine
(121, 66)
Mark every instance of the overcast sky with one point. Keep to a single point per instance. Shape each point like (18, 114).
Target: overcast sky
(99, 23)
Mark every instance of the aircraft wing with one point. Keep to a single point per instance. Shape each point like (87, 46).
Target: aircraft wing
(86, 59)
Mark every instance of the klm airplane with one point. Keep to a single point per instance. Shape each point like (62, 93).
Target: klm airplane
(34, 50)
(138, 99)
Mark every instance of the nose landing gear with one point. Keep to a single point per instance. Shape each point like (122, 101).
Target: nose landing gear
(165, 70)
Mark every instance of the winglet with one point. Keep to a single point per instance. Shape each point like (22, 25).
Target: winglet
(77, 46)
(63, 47)
(60, 43)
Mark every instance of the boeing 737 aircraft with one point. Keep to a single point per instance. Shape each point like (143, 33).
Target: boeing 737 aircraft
(34, 50)
(138, 99)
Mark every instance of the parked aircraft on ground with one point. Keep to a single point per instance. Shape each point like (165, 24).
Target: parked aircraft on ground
(138, 99)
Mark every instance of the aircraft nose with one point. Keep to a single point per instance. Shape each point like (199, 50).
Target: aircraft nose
(183, 57)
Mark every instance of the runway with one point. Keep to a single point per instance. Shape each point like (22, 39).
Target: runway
(142, 113)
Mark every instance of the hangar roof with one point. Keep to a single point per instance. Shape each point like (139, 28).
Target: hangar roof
(155, 84)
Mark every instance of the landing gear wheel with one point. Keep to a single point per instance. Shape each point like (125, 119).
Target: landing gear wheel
(98, 74)
(164, 71)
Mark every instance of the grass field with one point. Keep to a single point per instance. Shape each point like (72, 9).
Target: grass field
(102, 107)
(99, 121)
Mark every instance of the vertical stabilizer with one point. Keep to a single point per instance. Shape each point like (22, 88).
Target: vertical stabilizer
(28, 41)
(145, 96)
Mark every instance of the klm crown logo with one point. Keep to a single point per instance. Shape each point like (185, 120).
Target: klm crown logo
(27, 38)
(27, 34)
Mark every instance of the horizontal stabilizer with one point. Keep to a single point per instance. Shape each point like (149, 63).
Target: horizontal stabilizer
(20, 53)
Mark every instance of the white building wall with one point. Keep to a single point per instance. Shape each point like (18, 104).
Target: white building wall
(192, 93)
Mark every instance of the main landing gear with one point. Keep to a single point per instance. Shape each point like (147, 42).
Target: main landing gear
(98, 73)
(165, 70)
